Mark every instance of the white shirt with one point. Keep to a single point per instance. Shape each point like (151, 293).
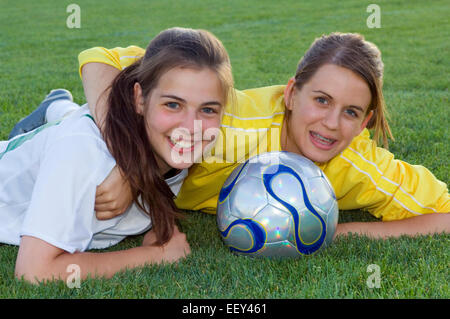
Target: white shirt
(48, 180)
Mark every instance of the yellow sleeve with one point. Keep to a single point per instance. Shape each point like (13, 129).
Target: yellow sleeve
(368, 177)
(200, 190)
(118, 58)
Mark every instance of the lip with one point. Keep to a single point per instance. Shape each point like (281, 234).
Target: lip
(178, 149)
(319, 143)
(181, 150)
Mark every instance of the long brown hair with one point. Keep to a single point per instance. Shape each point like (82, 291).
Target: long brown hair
(351, 51)
(125, 130)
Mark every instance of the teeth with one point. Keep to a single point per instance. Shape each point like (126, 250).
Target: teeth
(323, 139)
(181, 143)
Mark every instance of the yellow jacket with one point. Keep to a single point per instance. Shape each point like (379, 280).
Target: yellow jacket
(363, 176)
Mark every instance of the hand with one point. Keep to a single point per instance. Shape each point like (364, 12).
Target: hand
(177, 247)
(113, 196)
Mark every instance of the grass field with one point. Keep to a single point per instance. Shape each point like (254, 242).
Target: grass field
(265, 40)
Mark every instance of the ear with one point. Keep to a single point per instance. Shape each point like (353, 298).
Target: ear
(138, 98)
(366, 120)
(288, 91)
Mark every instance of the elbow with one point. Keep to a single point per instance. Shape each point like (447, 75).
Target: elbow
(35, 277)
(34, 274)
(28, 276)
(37, 261)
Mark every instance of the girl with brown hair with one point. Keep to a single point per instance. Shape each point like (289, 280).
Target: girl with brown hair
(48, 176)
(324, 114)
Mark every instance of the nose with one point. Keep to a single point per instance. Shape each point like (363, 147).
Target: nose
(331, 119)
(190, 121)
(189, 126)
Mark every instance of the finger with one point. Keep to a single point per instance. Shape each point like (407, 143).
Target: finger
(104, 215)
(103, 198)
(100, 190)
(110, 206)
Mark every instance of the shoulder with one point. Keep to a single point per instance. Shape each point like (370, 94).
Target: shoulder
(364, 152)
(77, 140)
(255, 108)
(260, 101)
(118, 52)
(128, 55)
(80, 124)
(117, 57)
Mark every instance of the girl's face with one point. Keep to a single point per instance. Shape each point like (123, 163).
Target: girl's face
(326, 114)
(185, 103)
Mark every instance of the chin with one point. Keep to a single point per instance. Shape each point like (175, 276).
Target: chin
(181, 165)
(319, 158)
(181, 161)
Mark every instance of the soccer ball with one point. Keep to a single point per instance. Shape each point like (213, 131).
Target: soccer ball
(277, 204)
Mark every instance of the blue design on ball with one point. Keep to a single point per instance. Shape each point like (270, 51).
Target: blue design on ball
(225, 191)
(257, 233)
(302, 247)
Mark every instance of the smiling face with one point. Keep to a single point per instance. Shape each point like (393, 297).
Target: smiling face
(185, 103)
(326, 113)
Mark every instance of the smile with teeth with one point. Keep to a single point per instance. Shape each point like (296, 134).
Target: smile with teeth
(181, 144)
(322, 140)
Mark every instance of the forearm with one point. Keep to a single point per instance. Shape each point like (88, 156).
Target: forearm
(97, 77)
(420, 225)
(104, 264)
(38, 261)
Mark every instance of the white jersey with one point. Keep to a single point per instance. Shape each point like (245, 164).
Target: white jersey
(48, 180)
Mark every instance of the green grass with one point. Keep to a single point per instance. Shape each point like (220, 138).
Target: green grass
(265, 40)
(410, 268)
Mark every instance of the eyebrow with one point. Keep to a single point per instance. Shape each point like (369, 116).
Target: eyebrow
(170, 96)
(352, 106)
